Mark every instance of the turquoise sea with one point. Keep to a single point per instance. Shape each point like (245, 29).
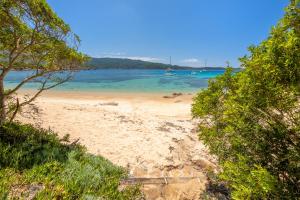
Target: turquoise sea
(127, 80)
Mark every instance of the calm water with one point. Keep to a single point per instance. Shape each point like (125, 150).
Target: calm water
(114, 80)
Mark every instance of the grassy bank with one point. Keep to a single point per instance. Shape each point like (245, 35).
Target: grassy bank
(35, 162)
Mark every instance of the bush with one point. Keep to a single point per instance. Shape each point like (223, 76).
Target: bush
(23, 146)
(36, 157)
(251, 119)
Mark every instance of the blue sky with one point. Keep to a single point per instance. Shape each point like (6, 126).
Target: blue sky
(191, 31)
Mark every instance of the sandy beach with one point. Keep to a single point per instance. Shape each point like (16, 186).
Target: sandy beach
(153, 135)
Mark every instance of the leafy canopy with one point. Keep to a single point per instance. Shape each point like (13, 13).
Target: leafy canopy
(33, 37)
(251, 120)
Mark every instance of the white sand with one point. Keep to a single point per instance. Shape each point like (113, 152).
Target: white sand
(150, 135)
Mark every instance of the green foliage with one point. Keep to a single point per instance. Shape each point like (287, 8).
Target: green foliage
(33, 37)
(248, 182)
(8, 177)
(251, 119)
(88, 175)
(31, 156)
(23, 146)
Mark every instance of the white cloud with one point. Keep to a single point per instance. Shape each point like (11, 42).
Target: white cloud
(190, 60)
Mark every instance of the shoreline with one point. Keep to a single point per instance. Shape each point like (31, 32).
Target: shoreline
(154, 96)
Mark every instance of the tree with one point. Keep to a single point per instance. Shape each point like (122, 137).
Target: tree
(251, 119)
(33, 37)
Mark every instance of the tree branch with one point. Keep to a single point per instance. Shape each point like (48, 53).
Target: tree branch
(10, 92)
(44, 88)
(15, 112)
(32, 42)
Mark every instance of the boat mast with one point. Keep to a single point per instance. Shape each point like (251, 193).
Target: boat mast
(170, 61)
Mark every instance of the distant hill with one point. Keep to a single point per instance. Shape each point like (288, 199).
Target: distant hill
(122, 63)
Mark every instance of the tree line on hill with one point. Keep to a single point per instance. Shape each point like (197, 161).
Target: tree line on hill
(124, 63)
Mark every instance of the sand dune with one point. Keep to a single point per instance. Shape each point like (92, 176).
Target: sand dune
(150, 135)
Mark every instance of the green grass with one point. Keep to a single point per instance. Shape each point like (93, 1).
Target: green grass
(31, 156)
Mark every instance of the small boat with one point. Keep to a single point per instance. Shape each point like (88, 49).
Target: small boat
(169, 74)
(169, 70)
(193, 73)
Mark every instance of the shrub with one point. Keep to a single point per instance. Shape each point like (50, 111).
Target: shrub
(23, 146)
(30, 156)
(250, 119)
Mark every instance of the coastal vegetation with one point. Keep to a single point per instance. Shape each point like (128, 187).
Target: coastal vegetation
(35, 163)
(251, 119)
(32, 36)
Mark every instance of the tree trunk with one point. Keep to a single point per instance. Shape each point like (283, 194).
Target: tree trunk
(2, 102)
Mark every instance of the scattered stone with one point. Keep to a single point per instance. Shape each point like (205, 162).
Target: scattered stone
(163, 129)
(172, 167)
(177, 127)
(191, 138)
(194, 130)
(171, 149)
(109, 104)
(167, 125)
(121, 117)
(202, 163)
(174, 95)
(124, 119)
(170, 158)
(176, 140)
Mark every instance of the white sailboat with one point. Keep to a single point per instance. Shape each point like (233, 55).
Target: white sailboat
(169, 70)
